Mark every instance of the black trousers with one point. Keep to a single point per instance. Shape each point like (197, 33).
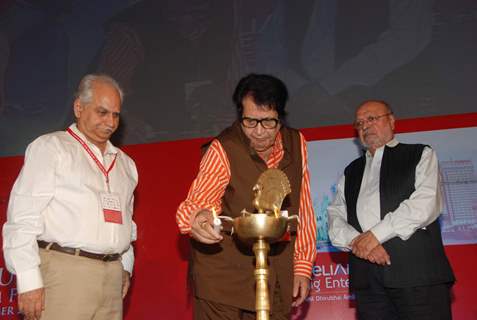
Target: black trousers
(413, 303)
(209, 310)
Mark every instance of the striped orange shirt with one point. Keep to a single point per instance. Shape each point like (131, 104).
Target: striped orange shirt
(209, 186)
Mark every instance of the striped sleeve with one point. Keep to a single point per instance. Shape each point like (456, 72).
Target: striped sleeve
(305, 245)
(207, 188)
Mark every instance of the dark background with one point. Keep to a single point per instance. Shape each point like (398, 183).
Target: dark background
(179, 60)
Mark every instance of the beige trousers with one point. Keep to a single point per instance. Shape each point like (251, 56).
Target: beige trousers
(79, 288)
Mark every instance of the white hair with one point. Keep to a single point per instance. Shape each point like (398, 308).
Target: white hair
(85, 88)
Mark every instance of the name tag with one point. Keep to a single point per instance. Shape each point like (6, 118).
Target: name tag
(111, 207)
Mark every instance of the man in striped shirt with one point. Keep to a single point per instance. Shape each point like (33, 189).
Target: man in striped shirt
(222, 269)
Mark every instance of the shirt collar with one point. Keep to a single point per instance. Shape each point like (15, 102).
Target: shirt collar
(278, 145)
(391, 144)
(110, 149)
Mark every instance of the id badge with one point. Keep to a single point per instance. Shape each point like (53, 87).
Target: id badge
(111, 207)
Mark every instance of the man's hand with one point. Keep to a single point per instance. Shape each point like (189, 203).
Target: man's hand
(363, 244)
(32, 303)
(126, 283)
(301, 287)
(201, 228)
(380, 256)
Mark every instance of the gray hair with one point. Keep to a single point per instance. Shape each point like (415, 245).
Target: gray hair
(85, 88)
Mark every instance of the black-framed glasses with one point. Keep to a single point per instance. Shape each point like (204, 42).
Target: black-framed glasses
(359, 124)
(267, 123)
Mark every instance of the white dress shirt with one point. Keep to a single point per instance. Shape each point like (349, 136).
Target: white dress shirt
(421, 209)
(56, 198)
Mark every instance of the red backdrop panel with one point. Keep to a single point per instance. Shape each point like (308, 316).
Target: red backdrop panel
(160, 289)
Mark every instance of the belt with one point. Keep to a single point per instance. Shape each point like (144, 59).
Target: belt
(78, 252)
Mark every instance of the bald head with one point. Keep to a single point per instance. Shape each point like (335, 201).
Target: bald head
(374, 122)
(379, 105)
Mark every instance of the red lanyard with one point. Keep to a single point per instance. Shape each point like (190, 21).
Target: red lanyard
(98, 163)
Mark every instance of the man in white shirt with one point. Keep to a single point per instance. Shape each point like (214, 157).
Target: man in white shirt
(385, 213)
(69, 221)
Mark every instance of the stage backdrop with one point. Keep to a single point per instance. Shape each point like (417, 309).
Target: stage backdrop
(160, 289)
(179, 60)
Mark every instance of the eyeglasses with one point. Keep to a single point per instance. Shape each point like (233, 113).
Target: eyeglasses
(359, 124)
(267, 123)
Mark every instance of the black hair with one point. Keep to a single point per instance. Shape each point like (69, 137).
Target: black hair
(265, 90)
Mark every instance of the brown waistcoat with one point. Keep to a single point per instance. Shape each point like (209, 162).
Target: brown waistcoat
(224, 272)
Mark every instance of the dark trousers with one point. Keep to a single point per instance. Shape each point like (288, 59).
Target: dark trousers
(209, 310)
(413, 303)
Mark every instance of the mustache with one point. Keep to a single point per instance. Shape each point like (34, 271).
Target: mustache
(106, 129)
(368, 133)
